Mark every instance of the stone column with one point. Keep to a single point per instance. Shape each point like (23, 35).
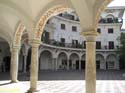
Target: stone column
(14, 64)
(54, 63)
(90, 74)
(24, 66)
(34, 66)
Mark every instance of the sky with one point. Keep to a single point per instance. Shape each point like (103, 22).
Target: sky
(119, 3)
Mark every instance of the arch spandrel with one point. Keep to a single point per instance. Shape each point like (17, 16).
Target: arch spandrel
(99, 8)
(48, 14)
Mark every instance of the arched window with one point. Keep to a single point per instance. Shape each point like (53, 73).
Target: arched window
(110, 18)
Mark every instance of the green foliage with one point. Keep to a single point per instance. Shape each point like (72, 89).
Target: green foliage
(121, 51)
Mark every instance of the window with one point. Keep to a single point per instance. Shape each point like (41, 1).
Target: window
(62, 42)
(98, 45)
(63, 26)
(109, 20)
(111, 45)
(110, 30)
(72, 17)
(45, 37)
(99, 30)
(75, 43)
(74, 28)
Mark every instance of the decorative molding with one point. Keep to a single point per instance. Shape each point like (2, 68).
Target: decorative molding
(18, 34)
(51, 12)
(89, 33)
(100, 10)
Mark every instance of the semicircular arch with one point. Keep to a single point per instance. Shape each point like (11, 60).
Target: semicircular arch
(44, 18)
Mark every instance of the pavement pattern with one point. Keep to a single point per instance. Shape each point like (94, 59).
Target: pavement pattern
(65, 82)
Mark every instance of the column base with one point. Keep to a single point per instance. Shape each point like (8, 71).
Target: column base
(14, 81)
(32, 90)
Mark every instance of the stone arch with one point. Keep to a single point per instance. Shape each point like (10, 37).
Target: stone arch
(74, 61)
(62, 60)
(48, 14)
(111, 54)
(59, 52)
(112, 61)
(74, 54)
(100, 61)
(99, 54)
(45, 61)
(41, 50)
(100, 10)
(18, 34)
(110, 16)
(83, 57)
(63, 53)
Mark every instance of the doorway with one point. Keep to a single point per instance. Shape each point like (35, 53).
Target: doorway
(98, 64)
(77, 64)
(82, 65)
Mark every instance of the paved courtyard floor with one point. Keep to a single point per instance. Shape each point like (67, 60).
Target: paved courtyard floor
(65, 82)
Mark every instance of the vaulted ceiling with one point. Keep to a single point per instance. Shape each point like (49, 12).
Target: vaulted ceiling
(29, 12)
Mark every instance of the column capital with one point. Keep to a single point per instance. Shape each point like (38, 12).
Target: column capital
(14, 48)
(89, 33)
(35, 43)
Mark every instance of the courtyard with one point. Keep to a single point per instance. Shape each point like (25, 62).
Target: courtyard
(110, 81)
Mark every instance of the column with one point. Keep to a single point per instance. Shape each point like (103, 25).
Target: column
(56, 64)
(14, 64)
(53, 64)
(117, 63)
(90, 71)
(67, 64)
(105, 64)
(34, 66)
(24, 66)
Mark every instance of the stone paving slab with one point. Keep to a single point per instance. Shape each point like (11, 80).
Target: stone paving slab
(73, 86)
(67, 82)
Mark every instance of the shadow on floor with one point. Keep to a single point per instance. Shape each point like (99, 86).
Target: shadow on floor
(69, 75)
(5, 83)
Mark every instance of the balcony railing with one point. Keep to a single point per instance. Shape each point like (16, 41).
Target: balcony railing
(102, 20)
(68, 16)
(114, 20)
(79, 46)
(61, 44)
